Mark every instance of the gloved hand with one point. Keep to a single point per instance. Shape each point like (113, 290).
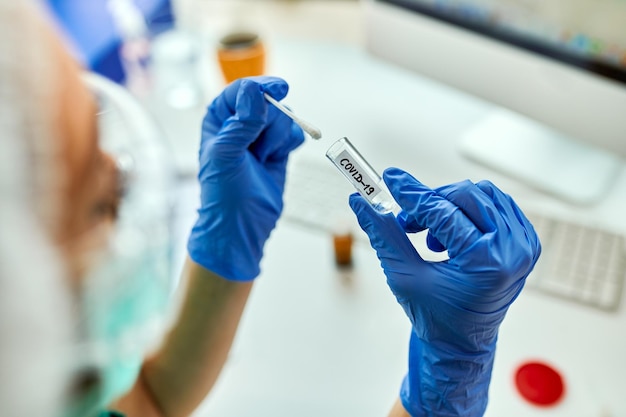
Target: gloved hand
(243, 157)
(455, 306)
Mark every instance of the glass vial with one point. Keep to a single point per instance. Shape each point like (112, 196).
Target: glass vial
(361, 175)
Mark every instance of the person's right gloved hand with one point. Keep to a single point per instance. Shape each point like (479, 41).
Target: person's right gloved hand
(243, 158)
(455, 306)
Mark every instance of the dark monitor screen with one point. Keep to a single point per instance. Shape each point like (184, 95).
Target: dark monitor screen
(587, 34)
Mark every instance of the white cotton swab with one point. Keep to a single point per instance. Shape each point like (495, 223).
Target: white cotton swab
(314, 132)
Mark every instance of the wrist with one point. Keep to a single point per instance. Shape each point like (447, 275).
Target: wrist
(446, 383)
(223, 256)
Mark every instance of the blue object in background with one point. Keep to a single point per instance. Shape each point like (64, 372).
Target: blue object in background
(90, 28)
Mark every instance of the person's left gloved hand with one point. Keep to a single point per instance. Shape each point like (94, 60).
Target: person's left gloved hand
(455, 306)
(243, 158)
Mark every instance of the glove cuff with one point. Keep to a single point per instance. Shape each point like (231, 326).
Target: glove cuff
(222, 257)
(442, 383)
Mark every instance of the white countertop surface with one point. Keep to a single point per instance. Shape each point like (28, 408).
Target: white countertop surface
(315, 343)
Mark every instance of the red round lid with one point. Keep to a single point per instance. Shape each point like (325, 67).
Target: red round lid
(539, 384)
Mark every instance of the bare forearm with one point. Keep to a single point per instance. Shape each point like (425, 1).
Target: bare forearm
(398, 410)
(185, 369)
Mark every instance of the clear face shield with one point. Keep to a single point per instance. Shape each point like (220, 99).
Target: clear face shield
(126, 264)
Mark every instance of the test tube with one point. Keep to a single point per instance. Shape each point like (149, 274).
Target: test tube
(361, 175)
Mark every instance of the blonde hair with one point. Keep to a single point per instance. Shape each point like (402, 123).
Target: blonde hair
(34, 300)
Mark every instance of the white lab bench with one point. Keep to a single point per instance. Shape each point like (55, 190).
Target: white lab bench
(317, 341)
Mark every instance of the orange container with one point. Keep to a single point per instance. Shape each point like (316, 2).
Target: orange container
(241, 55)
(343, 249)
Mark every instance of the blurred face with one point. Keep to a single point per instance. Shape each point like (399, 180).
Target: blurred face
(120, 292)
(91, 194)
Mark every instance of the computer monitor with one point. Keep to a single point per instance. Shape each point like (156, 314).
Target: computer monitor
(557, 68)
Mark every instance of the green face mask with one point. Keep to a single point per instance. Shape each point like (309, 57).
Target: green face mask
(123, 320)
(123, 303)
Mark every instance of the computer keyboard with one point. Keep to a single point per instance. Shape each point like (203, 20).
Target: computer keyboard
(579, 263)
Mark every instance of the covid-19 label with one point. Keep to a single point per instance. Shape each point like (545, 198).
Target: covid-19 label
(358, 175)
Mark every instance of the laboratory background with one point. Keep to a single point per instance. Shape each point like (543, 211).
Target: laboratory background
(528, 94)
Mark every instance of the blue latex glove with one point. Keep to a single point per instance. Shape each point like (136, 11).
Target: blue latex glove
(455, 306)
(243, 156)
